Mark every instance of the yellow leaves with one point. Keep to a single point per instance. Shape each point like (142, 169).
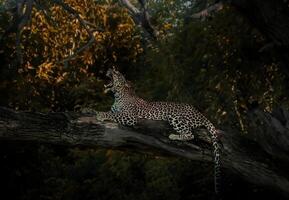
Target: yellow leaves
(167, 26)
(61, 78)
(125, 28)
(45, 70)
(99, 37)
(54, 38)
(49, 72)
(66, 35)
(87, 58)
(38, 15)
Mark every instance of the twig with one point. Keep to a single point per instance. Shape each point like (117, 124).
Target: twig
(87, 45)
(266, 47)
(44, 10)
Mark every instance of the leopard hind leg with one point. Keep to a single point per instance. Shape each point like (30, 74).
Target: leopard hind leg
(182, 127)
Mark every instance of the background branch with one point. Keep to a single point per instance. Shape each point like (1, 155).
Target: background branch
(141, 17)
(208, 11)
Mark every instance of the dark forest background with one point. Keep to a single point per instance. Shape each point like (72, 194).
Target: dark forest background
(224, 64)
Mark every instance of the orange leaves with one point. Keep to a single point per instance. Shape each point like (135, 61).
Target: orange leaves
(63, 34)
(54, 34)
(44, 71)
(87, 58)
(167, 26)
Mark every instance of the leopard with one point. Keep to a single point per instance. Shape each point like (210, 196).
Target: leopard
(128, 108)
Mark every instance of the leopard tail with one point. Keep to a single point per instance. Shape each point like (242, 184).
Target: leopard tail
(216, 150)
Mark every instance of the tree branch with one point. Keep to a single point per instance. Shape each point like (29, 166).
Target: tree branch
(246, 156)
(208, 11)
(141, 17)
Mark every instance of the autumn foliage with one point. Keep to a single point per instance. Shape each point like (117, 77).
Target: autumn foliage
(62, 53)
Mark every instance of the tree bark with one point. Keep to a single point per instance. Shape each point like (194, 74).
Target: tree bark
(251, 156)
(141, 16)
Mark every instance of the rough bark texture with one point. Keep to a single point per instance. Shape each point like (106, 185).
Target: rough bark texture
(260, 157)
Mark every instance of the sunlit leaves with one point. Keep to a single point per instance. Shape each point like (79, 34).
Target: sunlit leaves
(44, 71)
(54, 57)
(62, 35)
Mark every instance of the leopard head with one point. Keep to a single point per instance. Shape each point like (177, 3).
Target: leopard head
(118, 84)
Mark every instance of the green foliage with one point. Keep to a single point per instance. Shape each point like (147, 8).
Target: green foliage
(216, 65)
(169, 15)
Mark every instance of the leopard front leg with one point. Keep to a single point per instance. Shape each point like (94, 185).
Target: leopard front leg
(124, 118)
(181, 126)
(105, 116)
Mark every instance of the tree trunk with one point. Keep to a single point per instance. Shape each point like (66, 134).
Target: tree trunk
(251, 156)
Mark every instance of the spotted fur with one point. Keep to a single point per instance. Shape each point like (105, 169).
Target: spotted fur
(128, 108)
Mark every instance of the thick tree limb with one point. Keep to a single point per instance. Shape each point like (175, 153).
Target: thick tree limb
(249, 157)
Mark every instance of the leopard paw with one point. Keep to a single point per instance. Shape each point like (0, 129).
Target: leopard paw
(100, 116)
(181, 137)
(174, 137)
